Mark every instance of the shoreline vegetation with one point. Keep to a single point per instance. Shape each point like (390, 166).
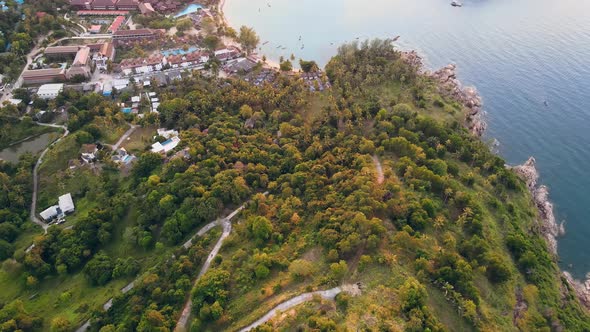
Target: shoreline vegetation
(450, 85)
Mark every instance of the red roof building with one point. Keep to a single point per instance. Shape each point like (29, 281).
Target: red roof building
(117, 22)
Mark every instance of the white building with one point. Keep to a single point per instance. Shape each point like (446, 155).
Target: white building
(50, 91)
(66, 204)
(166, 146)
(50, 213)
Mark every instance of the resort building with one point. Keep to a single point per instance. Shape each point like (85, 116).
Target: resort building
(117, 22)
(154, 60)
(40, 76)
(102, 12)
(123, 36)
(50, 91)
(127, 4)
(81, 64)
(146, 8)
(61, 51)
(81, 4)
(104, 4)
(227, 54)
(94, 29)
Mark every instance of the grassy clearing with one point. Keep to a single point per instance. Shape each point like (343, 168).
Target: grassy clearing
(139, 140)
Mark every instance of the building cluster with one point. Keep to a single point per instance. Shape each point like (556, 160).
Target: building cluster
(160, 61)
(82, 56)
(105, 4)
(65, 205)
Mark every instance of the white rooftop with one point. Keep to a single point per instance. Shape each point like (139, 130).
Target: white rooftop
(53, 88)
(135, 99)
(49, 213)
(169, 145)
(66, 204)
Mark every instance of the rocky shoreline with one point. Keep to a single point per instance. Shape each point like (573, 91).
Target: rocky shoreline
(549, 226)
(449, 85)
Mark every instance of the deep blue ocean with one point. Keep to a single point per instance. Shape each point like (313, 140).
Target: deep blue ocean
(518, 53)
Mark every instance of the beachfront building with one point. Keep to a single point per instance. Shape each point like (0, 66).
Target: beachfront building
(50, 91)
(227, 53)
(141, 65)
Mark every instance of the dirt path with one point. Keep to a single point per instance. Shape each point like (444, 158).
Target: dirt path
(124, 137)
(379, 169)
(329, 294)
(226, 224)
(36, 175)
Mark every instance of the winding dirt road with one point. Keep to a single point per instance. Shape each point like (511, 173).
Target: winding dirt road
(329, 294)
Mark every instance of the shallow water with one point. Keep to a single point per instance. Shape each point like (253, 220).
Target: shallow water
(33, 145)
(518, 53)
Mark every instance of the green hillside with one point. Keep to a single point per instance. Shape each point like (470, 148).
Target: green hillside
(374, 185)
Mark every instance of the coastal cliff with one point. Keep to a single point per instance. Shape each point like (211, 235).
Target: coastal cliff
(549, 226)
(449, 85)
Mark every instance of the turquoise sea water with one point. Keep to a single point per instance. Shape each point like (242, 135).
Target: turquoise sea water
(518, 53)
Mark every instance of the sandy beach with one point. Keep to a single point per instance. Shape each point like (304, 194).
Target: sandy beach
(268, 63)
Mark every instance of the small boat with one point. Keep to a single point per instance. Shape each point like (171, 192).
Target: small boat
(545, 103)
(279, 46)
(266, 42)
(456, 3)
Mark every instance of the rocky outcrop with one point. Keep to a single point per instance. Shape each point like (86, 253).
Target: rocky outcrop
(582, 289)
(449, 85)
(549, 226)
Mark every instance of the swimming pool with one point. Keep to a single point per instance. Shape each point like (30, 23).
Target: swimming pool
(192, 8)
(179, 51)
(126, 110)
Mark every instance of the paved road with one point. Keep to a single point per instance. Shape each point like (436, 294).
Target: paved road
(329, 294)
(36, 175)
